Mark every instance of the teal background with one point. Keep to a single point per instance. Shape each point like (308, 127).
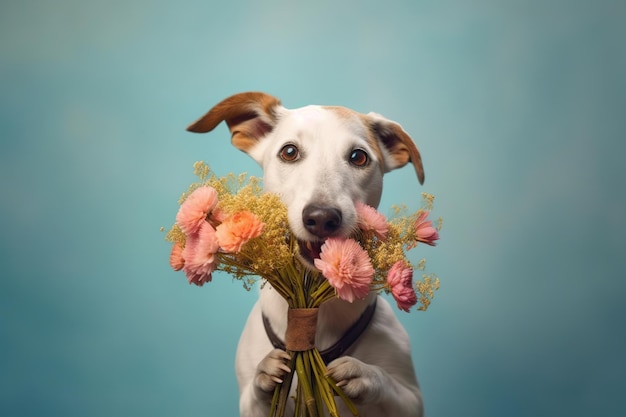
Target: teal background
(518, 108)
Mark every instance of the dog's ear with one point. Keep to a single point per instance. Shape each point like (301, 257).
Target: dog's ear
(249, 116)
(399, 146)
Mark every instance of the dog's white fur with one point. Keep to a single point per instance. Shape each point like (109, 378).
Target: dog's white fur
(377, 372)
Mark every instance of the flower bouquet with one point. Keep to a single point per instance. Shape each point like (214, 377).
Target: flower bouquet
(229, 224)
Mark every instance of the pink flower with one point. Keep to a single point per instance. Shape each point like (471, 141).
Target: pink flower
(369, 219)
(199, 255)
(347, 267)
(424, 230)
(238, 229)
(176, 257)
(400, 282)
(195, 209)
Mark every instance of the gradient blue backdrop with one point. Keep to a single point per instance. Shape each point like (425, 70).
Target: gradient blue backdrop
(518, 108)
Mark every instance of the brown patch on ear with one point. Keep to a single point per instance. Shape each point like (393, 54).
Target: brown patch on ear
(398, 143)
(249, 116)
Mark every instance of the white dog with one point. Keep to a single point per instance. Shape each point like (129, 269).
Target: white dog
(321, 160)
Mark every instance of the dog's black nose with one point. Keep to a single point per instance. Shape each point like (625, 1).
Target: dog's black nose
(321, 221)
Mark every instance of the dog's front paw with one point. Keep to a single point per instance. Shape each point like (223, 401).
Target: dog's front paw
(271, 370)
(359, 381)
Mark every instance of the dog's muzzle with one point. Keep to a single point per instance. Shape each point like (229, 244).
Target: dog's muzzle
(321, 221)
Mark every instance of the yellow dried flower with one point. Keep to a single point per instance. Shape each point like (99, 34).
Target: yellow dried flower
(201, 170)
(421, 265)
(439, 224)
(426, 289)
(176, 235)
(429, 201)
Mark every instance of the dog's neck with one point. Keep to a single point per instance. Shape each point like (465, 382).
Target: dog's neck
(334, 319)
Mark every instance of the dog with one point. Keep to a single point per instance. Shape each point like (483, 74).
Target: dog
(321, 160)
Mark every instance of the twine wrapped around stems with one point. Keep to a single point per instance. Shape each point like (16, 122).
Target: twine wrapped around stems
(301, 327)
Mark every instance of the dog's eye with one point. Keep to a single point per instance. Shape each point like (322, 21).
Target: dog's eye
(289, 153)
(359, 158)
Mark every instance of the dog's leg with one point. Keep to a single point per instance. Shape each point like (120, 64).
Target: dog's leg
(256, 395)
(378, 372)
(271, 371)
(259, 367)
(374, 387)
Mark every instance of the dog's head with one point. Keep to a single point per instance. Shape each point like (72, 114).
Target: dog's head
(321, 160)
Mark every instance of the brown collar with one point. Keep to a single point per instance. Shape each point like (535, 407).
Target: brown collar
(339, 348)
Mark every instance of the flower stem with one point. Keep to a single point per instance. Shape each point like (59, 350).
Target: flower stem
(333, 385)
(305, 384)
(325, 392)
(281, 392)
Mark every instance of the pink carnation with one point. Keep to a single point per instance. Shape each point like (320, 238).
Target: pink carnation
(195, 209)
(176, 257)
(347, 267)
(425, 231)
(238, 229)
(199, 255)
(400, 282)
(369, 219)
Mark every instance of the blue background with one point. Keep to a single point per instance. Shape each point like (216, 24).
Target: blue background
(518, 108)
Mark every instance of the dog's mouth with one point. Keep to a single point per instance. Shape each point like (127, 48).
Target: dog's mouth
(309, 251)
